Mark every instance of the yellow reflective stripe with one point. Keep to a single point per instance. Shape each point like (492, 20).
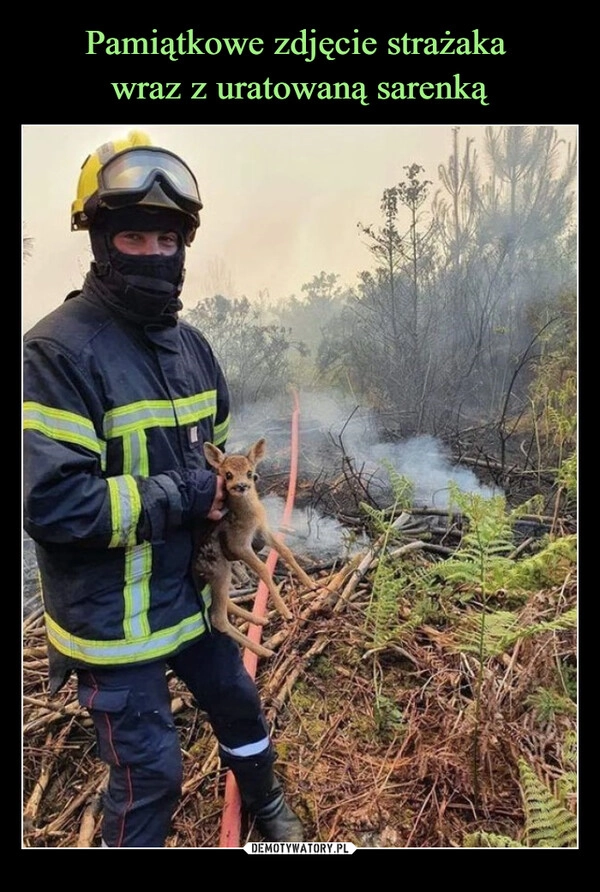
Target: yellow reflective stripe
(58, 424)
(125, 508)
(135, 454)
(108, 653)
(136, 593)
(146, 413)
(192, 408)
(221, 431)
(159, 413)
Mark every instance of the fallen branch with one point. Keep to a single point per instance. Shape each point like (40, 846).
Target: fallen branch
(33, 803)
(89, 821)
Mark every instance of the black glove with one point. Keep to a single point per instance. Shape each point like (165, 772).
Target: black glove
(174, 499)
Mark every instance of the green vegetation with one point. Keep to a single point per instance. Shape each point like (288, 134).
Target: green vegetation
(464, 327)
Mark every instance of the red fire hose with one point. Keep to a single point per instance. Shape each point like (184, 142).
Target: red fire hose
(231, 818)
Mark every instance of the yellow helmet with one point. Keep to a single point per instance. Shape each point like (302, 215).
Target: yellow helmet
(132, 171)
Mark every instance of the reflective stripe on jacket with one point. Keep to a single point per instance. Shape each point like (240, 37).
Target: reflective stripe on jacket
(110, 407)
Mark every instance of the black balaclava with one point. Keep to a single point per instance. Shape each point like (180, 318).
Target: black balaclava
(144, 288)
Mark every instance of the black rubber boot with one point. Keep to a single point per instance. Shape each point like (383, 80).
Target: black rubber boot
(263, 798)
(275, 820)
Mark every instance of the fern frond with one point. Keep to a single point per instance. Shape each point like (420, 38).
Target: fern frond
(403, 489)
(488, 635)
(483, 840)
(501, 631)
(566, 785)
(562, 623)
(376, 516)
(382, 611)
(481, 558)
(567, 620)
(533, 505)
(548, 824)
(567, 474)
(471, 568)
(549, 566)
(547, 704)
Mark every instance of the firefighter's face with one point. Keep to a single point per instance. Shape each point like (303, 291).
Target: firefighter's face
(133, 242)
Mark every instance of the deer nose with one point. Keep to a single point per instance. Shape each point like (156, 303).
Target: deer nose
(241, 487)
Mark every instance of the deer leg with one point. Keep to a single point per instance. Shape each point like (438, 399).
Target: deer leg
(219, 609)
(246, 642)
(220, 581)
(285, 553)
(262, 571)
(234, 608)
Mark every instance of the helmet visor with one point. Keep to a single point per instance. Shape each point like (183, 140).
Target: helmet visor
(130, 175)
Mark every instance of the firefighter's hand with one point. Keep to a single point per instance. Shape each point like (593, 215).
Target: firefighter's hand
(216, 509)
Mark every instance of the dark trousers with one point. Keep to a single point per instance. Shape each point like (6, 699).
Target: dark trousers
(136, 736)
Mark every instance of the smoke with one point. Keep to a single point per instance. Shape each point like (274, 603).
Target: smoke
(330, 427)
(308, 532)
(423, 460)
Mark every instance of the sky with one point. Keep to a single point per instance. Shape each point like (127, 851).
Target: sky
(281, 202)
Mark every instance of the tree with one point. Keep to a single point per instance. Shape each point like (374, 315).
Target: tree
(507, 240)
(254, 355)
(456, 216)
(439, 332)
(309, 319)
(390, 344)
(306, 317)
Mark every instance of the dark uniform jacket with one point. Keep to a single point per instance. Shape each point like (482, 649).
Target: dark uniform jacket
(114, 420)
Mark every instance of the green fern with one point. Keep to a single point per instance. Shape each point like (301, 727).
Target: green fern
(481, 560)
(498, 634)
(550, 566)
(566, 785)
(382, 610)
(569, 749)
(548, 823)
(389, 720)
(381, 619)
(547, 704)
(379, 518)
(424, 610)
(535, 505)
(403, 490)
(483, 840)
(501, 631)
(567, 475)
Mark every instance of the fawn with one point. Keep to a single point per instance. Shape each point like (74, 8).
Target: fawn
(230, 539)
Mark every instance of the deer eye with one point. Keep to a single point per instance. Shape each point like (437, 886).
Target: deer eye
(249, 475)
(228, 475)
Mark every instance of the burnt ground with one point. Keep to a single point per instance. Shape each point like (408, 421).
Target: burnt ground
(412, 743)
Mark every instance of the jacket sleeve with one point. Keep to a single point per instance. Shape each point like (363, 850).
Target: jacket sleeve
(67, 496)
(223, 418)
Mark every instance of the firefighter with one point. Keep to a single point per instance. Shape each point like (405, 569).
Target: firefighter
(120, 395)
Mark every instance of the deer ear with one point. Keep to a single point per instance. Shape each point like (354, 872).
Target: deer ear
(257, 452)
(213, 454)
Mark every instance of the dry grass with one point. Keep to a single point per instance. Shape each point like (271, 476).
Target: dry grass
(387, 749)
